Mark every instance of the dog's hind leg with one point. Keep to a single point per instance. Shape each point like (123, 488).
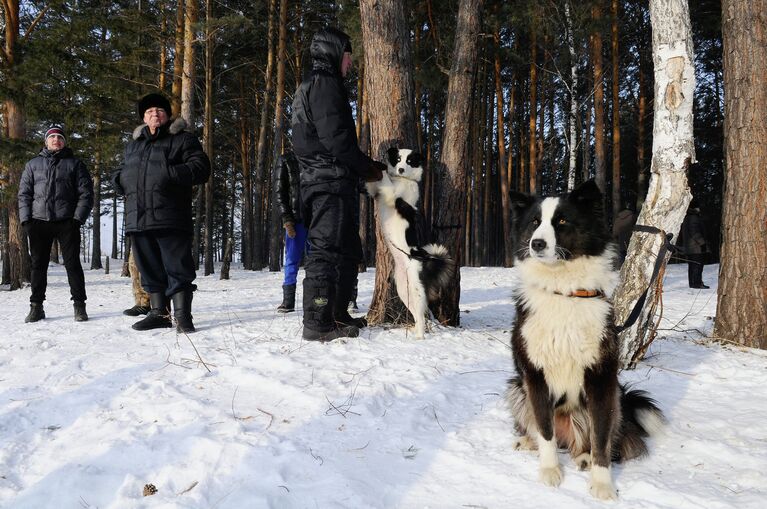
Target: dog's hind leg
(417, 298)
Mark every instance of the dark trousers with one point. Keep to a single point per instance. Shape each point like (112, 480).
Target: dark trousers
(335, 251)
(164, 260)
(294, 251)
(41, 235)
(695, 268)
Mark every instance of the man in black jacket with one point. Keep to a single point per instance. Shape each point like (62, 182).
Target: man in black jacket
(287, 193)
(161, 165)
(55, 198)
(331, 164)
(694, 246)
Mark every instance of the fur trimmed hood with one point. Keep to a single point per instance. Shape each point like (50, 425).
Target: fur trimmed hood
(173, 126)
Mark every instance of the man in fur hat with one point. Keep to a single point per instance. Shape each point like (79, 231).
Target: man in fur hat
(161, 165)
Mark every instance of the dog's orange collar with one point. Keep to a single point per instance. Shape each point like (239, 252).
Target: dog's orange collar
(584, 294)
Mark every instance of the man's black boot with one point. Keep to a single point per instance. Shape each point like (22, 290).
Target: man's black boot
(158, 316)
(136, 310)
(80, 314)
(342, 331)
(341, 309)
(36, 312)
(182, 311)
(288, 299)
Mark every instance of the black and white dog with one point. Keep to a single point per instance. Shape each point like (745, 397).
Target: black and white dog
(419, 270)
(565, 347)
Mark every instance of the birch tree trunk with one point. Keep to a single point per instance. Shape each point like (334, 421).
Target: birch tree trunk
(673, 151)
(388, 101)
(741, 311)
(455, 155)
(572, 141)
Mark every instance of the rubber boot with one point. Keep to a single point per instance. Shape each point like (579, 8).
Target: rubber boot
(182, 311)
(36, 312)
(80, 314)
(158, 316)
(288, 299)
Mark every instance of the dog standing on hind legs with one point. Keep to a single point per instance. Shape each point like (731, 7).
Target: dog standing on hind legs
(420, 271)
(564, 342)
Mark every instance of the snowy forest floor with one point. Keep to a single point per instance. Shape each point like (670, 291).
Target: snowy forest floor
(91, 412)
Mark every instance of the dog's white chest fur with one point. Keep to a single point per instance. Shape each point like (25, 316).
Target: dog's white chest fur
(563, 334)
(386, 192)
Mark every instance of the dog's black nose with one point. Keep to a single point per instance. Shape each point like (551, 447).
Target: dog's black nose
(538, 245)
(401, 170)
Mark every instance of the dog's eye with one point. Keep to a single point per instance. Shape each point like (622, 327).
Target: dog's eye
(563, 221)
(536, 222)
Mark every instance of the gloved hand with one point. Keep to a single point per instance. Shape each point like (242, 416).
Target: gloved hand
(375, 171)
(290, 229)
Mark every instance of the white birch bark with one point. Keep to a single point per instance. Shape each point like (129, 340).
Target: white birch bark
(573, 97)
(673, 151)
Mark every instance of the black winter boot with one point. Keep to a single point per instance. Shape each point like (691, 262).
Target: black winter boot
(341, 314)
(158, 316)
(36, 312)
(288, 299)
(343, 331)
(80, 314)
(182, 311)
(136, 310)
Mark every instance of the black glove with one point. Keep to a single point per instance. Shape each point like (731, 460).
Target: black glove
(76, 222)
(374, 171)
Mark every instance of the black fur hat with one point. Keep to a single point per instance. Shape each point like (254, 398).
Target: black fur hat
(153, 101)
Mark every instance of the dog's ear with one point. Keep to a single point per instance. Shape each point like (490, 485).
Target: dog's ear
(393, 156)
(520, 202)
(587, 196)
(414, 160)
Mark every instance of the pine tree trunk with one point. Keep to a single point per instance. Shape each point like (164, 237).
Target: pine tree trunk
(115, 233)
(600, 158)
(616, 191)
(642, 171)
(261, 149)
(275, 223)
(673, 152)
(454, 157)
(532, 158)
(96, 213)
(163, 52)
(188, 76)
(389, 100)
(503, 175)
(247, 181)
(741, 311)
(208, 137)
(178, 60)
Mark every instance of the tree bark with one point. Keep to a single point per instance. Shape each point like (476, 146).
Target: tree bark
(616, 190)
(247, 181)
(454, 157)
(532, 158)
(503, 176)
(178, 61)
(600, 161)
(275, 223)
(188, 76)
(673, 152)
(388, 101)
(572, 141)
(741, 311)
(208, 137)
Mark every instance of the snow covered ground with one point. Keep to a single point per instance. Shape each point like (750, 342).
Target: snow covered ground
(91, 412)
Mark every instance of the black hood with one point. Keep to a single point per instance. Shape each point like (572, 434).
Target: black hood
(327, 49)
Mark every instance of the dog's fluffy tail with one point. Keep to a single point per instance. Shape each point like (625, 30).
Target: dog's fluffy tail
(641, 418)
(438, 268)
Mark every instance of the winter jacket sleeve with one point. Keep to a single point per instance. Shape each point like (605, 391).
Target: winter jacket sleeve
(26, 194)
(195, 168)
(119, 189)
(328, 104)
(84, 193)
(282, 192)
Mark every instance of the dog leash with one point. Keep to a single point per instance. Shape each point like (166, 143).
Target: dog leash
(665, 248)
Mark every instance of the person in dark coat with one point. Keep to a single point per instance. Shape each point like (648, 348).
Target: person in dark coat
(287, 191)
(55, 199)
(331, 163)
(161, 165)
(694, 245)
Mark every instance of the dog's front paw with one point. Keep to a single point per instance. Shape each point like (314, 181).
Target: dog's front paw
(551, 476)
(583, 461)
(602, 490)
(525, 443)
(372, 188)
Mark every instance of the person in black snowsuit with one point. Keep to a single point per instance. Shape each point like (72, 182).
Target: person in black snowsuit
(160, 166)
(694, 245)
(288, 195)
(55, 199)
(330, 162)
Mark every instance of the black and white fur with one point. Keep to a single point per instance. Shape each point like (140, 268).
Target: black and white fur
(419, 271)
(566, 353)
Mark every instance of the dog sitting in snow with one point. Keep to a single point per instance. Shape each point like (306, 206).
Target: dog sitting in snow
(419, 271)
(565, 347)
